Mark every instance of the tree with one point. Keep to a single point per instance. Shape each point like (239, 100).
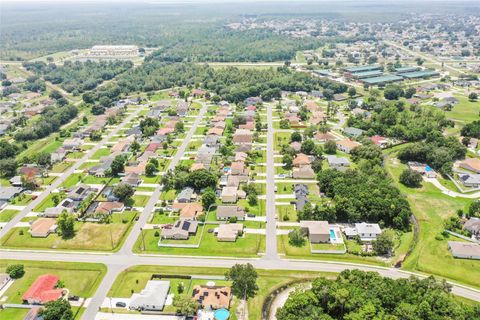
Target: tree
(244, 280)
(208, 198)
(473, 96)
(296, 137)
(296, 238)
(385, 242)
(123, 191)
(200, 179)
(410, 92)
(352, 92)
(8, 167)
(330, 147)
(185, 305)
(308, 147)
(287, 160)
(15, 271)
(411, 178)
(150, 169)
(57, 310)
(117, 166)
(66, 225)
(393, 92)
(179, 127)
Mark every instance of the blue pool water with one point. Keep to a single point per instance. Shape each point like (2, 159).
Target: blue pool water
(332, 235)
(222, 314)
(427, 168)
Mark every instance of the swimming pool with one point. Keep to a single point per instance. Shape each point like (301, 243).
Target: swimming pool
(332, 235)
(222, 314)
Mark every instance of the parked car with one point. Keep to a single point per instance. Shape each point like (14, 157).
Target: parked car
(73, 298)
(120, 304)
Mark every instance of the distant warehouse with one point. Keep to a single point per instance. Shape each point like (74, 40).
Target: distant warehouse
(406, 69)
(370, 67)
(419, 74)
(382, 79)
(113, 51)
(367, 74)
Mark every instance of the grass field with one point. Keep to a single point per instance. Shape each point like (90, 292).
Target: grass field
(250, 245)
(431, 254)
(304, 253)
(88, 236)
(7, 215)
(81, 279)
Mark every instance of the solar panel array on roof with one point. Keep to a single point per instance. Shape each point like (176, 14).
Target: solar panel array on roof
(186, 225)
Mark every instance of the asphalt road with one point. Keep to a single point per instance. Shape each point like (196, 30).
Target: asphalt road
(65, 175)
(271, 227)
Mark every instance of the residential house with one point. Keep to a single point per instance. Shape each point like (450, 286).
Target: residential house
(42, 227)
(301, 196)
(347, 145)
(324, 137)
(186, 195)
(197, 166)
(16, 181)
(80, 192)
(422, 168)
(242, 136)
(472, 164)
(181, 230)
(43, 289)
(353, 132)
(72, 144)
(472, 225)
(212, 297)
(191, 211)
(304, 172)
(152, 297)
(227, 212)
(464, 250)
(205, 155)
(366, 231)
(100, 170)
(471, 180)
(380, 141)
(339, 163)
(58, 155)
(229, 232)
(109, 207)
(301, 160)
(229, 194)
(8, 193)
(238, 168)
(133, 179)
(296, 146)
(317, 231)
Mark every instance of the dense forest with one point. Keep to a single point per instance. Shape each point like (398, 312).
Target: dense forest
(437, 151)
(49, 121)
(232, 84)
(78, 77)
(393, 119)
(358, 295)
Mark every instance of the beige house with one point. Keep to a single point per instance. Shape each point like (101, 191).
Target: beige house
(318, 231)
(229, 194)
(227, 212)
(347, 145)
(304, 172)
(229, 231)
(42, 227)
(242, 136)
(472, 164)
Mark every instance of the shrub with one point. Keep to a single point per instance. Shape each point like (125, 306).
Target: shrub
(15, 271)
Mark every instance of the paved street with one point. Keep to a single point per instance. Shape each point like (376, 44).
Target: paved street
(271, 226)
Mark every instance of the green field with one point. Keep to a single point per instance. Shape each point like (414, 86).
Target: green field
(431, 254)
(7, 215)
(88, 236)
(250, 245)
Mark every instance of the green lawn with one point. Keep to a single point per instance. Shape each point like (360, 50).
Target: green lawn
(430, 255)
(61, 167)
(46, 203)
(247, 246)
(465, 110)
(88, 236)
(287, 213)
(304, 253)
(140, 200)
(102, 152)
(81, 279)
(7, 215)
